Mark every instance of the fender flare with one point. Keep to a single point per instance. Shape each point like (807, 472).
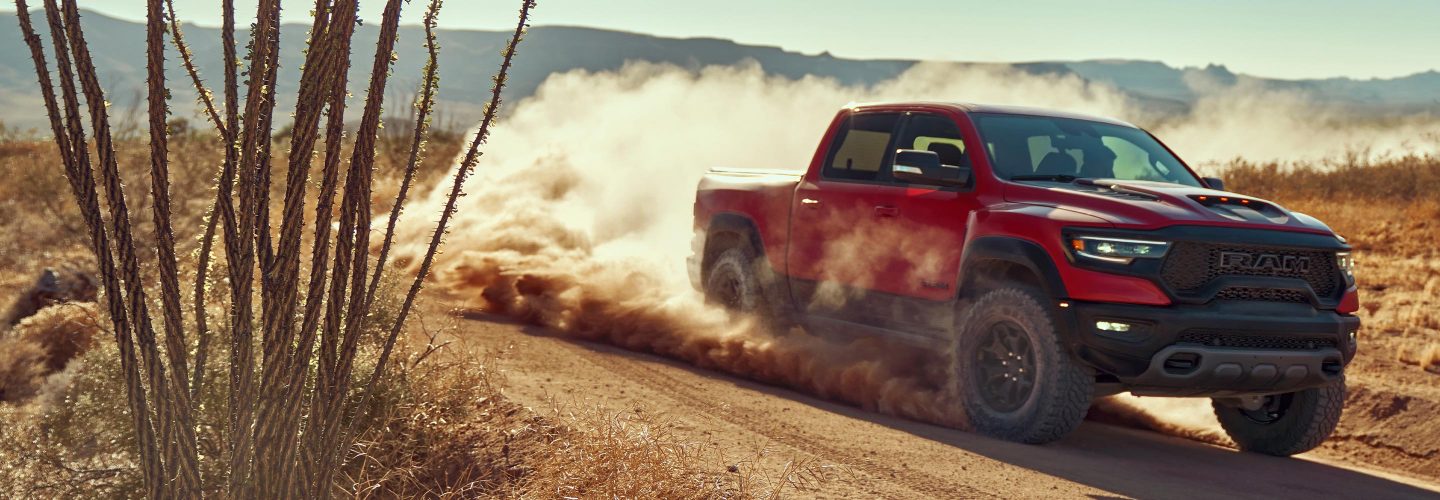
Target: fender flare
(1024, 253)
(774, 286)
(739, 224)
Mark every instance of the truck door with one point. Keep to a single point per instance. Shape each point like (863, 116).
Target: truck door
(867, 248)
(930, 224)
(837, 253)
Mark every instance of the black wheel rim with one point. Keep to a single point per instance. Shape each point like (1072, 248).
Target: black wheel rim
(1005, 366)
(727, 289)
(1271, 411)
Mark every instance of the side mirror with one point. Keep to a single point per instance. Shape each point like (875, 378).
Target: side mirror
(924, 167)
(1214, 183)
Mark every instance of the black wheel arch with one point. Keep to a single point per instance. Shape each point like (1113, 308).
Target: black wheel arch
(995, 261)
(728, 229)
(990, 259)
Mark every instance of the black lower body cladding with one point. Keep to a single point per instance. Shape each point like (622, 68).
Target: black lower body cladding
(1217, 349)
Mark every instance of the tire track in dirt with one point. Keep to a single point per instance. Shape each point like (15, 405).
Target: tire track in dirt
(888, 457)
(741, 418)
(916, 482)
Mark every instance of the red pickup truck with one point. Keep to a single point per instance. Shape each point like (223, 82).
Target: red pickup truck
(1056, 257)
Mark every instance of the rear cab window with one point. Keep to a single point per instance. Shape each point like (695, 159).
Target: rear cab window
(861, 148)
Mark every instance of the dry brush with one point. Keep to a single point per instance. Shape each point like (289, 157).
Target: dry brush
(292, 396)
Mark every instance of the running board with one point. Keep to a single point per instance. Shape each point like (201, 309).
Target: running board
(839, 329)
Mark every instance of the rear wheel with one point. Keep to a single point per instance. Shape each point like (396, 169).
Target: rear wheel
(1283, 424)
(1015, 378)
(732, 281)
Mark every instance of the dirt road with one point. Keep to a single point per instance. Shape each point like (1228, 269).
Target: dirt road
(882, 456)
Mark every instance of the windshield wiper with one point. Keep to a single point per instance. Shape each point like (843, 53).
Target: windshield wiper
(1045, 177)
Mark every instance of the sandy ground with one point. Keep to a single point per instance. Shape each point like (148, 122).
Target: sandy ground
(879, 456)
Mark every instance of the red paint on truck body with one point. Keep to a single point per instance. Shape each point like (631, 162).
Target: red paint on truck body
(927, 230)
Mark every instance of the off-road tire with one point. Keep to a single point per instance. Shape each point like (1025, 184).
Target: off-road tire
(1305, 419)
(733, 282)
(1060, 394)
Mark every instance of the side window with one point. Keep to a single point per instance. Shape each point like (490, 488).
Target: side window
(861, 147)
(938, 134)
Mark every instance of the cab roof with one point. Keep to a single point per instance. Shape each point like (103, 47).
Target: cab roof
(967, 107)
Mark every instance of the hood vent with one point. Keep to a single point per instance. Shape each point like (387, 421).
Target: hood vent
(1242, 209)
(1126, 195)
(1113, 190)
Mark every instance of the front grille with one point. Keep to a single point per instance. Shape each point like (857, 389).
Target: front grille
(1191, 266)
(1260, 294)
(1217, 338)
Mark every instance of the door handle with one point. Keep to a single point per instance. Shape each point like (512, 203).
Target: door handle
(886, 211)
(810, 202)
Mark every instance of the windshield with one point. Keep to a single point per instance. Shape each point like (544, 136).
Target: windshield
(1040, 148)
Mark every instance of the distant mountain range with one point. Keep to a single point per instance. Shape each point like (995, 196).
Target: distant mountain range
(469, 57)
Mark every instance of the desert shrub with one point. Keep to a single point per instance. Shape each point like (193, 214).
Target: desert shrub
(70, 437)
(22, 369)
(68, 430)
(438, 426)
(61, 331)
(42, 345)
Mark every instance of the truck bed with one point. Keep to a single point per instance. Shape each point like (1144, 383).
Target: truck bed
(760, 196)
(792, 174)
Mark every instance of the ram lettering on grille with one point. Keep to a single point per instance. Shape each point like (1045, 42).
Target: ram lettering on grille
(1191, 266)
(1264, 262)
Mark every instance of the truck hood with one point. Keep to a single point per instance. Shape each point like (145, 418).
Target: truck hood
(1151, 205)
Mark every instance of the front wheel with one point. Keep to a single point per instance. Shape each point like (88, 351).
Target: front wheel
(1015, 379)
(1283, 424)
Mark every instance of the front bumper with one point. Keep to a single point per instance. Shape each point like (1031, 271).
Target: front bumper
(1221, 348)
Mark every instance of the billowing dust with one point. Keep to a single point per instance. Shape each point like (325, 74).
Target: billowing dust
(526, 263)
(579, 218)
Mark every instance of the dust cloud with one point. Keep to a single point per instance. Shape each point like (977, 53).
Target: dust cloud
(579, 216)
(1265, 125)
(1190, 418)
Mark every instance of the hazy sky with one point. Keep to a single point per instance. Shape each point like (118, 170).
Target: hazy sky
(1275, 38)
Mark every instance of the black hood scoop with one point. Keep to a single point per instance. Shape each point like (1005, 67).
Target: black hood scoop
(1243, 209)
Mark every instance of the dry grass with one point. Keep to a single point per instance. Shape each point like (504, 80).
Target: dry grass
(1391, 214)
(443, 428)
(1426, 357)
(44, 344)
(1429, 359)
(439, 427)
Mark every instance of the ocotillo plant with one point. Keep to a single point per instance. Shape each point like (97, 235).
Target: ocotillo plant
(290, 404)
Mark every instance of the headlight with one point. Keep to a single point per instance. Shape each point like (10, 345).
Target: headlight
(1120, 251)
(1346, 263)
